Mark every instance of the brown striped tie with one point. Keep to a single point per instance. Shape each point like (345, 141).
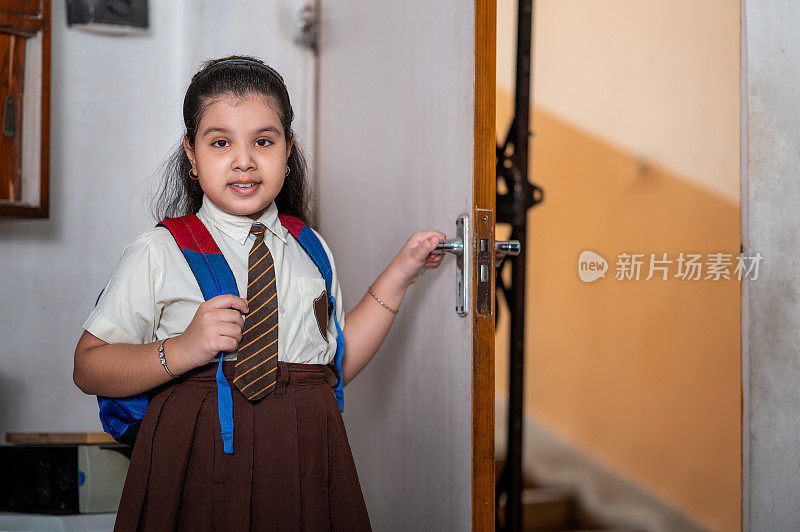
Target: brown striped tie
(257, 360)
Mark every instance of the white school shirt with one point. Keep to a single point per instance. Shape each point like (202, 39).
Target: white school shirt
(152, 293)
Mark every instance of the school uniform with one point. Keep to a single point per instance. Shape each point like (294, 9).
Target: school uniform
(292, 466)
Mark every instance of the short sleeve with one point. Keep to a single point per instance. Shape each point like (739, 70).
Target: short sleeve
(128, 310)
(336, 289)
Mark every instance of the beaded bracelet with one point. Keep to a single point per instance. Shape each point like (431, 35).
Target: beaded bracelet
(162, 359)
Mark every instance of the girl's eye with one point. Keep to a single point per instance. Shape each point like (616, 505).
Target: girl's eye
(263, 140)
(217, 145)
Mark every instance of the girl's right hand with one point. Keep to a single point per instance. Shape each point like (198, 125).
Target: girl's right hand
(216, 326)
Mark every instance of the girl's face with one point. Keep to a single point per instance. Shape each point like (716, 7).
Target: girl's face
(240, 141)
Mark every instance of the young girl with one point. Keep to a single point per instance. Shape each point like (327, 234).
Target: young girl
(291, 466)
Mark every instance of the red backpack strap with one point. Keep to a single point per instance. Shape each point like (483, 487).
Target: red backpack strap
(292, 223)
(190, 234)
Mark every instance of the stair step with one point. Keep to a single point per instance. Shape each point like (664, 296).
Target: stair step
(546, 508)
(552, 509)
(590, 530)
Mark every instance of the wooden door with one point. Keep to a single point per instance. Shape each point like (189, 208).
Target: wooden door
(406, 142)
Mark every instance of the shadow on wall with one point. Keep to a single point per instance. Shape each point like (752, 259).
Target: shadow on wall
(11, 389)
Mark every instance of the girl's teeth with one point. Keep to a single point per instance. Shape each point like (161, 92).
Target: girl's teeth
(244, 186)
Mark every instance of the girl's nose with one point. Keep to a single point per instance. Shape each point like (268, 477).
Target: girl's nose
(243, 159)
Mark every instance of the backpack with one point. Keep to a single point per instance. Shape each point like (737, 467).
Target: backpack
(122, 416)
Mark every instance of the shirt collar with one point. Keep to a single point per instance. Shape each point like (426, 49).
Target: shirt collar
(237, 226)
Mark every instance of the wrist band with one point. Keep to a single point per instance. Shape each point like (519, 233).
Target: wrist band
(393, 311)
(162, 359)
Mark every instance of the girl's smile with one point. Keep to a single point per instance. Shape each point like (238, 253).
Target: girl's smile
(240, 153)
(246, 188)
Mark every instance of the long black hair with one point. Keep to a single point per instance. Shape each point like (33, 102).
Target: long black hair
(179, 194)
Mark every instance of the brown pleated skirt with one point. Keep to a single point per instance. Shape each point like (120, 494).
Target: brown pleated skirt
(291, 467)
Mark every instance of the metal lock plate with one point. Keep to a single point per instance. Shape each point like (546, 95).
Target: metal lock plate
(463, 266)
(463, 253)
(484, 255)
(487, 253)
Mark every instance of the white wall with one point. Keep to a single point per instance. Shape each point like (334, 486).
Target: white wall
(771, 306)
(116, 106)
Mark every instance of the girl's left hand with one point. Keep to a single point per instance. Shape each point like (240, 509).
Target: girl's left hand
(415, 255)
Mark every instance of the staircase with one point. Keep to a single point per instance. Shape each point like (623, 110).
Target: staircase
(552, 509)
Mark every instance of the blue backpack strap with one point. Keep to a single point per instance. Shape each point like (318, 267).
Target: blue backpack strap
(215, 277)
(310, 243)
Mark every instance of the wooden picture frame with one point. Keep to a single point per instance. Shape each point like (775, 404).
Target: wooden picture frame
(25, 29)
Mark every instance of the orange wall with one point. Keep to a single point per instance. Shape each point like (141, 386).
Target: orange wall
(658, 78)
(644, 376)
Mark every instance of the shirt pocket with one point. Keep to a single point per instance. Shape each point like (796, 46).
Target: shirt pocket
(314, 308)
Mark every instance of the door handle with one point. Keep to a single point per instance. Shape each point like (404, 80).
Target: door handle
(453, 245)
(463, 255)
(502, 248)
